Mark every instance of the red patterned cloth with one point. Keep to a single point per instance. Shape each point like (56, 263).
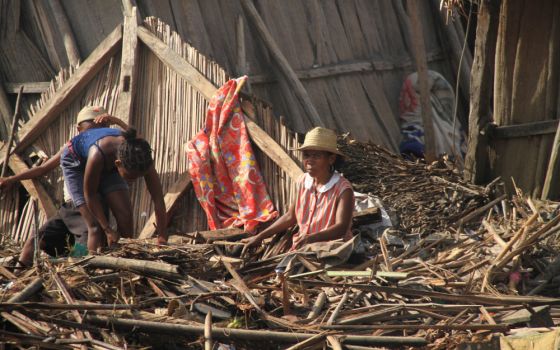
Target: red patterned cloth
(223, 169)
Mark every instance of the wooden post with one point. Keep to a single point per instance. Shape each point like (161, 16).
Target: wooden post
(422, 71)
(482, 85)
(208, 331)
(282, 63)
(241, 50)
(127, 83)
(72, 52)
(5, 113)
(552, 170)
(15, 120)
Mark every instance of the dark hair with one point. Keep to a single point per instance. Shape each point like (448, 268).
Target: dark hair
(339, 163)
(134, 153)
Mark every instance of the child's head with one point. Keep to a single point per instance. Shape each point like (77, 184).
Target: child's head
(86, 117)
(134, 156)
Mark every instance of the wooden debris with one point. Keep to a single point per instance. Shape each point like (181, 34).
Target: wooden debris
(424, 281)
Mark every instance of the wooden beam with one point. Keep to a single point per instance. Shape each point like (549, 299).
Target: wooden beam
(282, 63)
(553, 168)
(35, 87)
(241, 51)
(33, 187)
(345, 68)
(174, 61)
(61, 20)
(30, 131)
(127, 83)
(273, 150)
(522, 130)
(482, 84)
(5, 113)
(175, 192)
(422, 71)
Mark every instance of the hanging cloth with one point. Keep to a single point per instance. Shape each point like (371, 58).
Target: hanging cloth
(225, 175)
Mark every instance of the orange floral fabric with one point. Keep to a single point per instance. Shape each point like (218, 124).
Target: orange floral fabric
(225, 175)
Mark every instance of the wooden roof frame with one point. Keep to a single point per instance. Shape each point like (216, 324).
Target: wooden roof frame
(128, 38)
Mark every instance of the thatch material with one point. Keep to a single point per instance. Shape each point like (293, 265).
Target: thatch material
(352, 56)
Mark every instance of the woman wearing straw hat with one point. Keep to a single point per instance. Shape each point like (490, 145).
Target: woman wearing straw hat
(325, 199)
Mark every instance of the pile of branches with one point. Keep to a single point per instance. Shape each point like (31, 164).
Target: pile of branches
(425, 198)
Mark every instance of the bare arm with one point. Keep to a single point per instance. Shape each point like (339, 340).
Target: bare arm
(342, 223)
(32, 173)
(111, 120)
(283, 223)
(154, 187)
(92, 176)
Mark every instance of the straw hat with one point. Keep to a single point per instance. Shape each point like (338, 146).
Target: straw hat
(320, 139)
(90, 113)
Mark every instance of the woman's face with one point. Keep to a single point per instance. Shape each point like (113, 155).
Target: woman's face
(317, 163)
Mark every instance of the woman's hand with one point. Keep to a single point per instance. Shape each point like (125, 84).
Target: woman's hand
(299, 241)
(105, 119)
(5, 183)
(252, 241)
(112, 236)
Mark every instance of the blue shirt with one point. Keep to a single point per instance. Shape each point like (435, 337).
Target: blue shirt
(83, 141)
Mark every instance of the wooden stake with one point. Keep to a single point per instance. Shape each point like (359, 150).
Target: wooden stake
(208, 331)
(318, 306)
(336, 311)
(243, 334)
(285, 294)
(15, 120)
(127, 84)
(422, 71)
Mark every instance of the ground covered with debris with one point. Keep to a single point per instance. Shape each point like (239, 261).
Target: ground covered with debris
(461, 264)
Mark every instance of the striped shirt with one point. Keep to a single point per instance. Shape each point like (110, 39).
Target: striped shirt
(316, 207)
